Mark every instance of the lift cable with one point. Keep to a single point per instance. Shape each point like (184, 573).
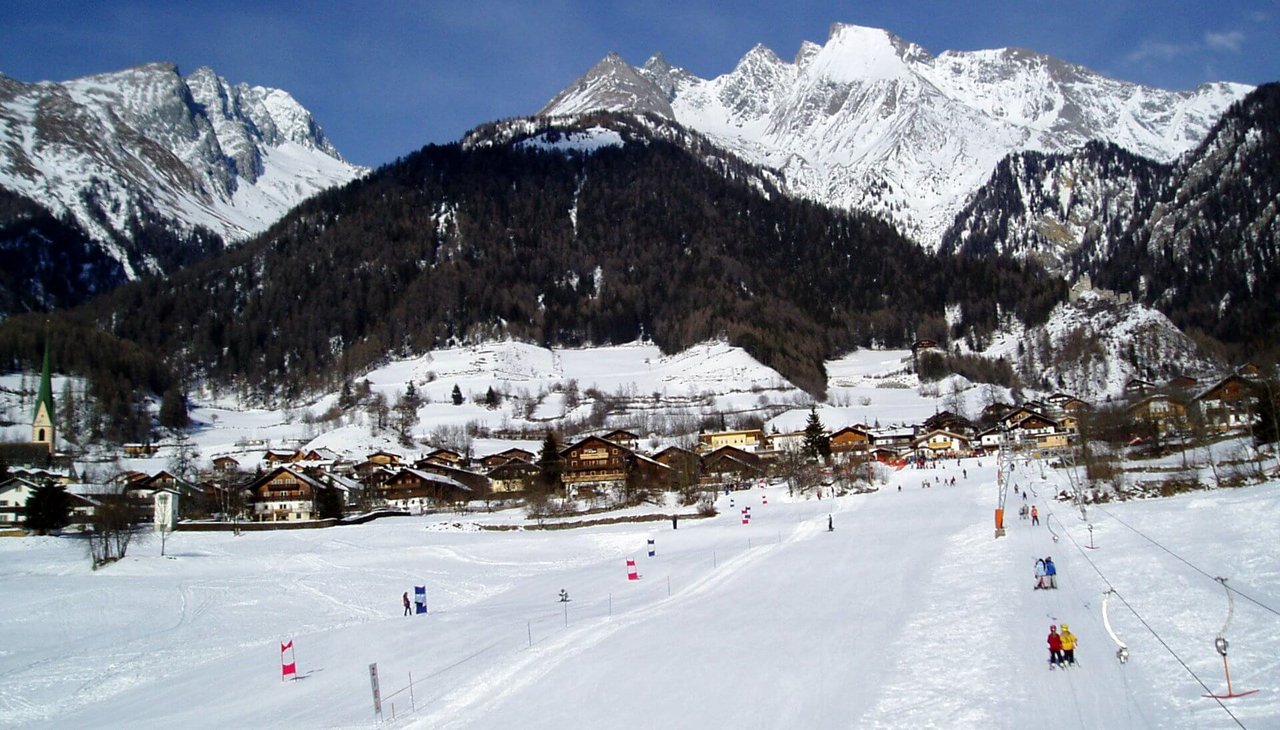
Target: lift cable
(1165, 644)
(1188, 563)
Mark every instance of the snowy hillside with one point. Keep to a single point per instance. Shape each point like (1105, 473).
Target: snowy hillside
(1092, 347)
(133, 146)
(908, 615)
(871, 121)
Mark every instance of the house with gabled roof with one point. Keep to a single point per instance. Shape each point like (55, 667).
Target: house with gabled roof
(512, 477)
(989, 439)
(685, 465)
(494, 460)
(285, 494)
(14, 493)
(898, 439)
(444, 457)
(276, 457)
(1165, 413)
(594, 463)
(1229, 404)
(941, 443)
(948, 421)
(1019, 414)
(729, 463)
(623, 438)
(849, 440)
(225, 465)
(1250, 370)
(1031, 427)
(416, 490)
(142, 494)
(789, 441)
(478, 483)
(386, 458)
(319, 455)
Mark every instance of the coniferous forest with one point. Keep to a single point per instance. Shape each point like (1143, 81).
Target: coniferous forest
(494, 238)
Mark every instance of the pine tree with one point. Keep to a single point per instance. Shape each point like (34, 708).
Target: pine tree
(457, 396)
(550, 463)
(817, 444)
(173, 410)
(48, 508)
(491, 399)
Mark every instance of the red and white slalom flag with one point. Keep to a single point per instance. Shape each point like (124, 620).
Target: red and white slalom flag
(631, 570)
(746, 516)
(288, 668)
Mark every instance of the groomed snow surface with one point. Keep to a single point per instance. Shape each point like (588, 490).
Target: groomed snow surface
(909, 615)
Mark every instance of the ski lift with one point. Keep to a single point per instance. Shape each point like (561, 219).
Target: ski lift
(1220, 645)
(1091, 546)
(1123, 652)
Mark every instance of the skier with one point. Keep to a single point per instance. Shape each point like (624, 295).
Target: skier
(1039, 574)
(1035, 517)
(1051, 572)
(406, 603)
(1055, 647)
(1069, 642)
(830, 525)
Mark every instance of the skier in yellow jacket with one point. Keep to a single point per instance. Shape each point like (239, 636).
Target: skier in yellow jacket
(1068, 646)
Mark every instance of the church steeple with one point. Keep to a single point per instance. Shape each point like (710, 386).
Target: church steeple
(42, 429)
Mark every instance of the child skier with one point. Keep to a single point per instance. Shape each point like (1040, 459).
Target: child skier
(1055, 647)
(1069, 642)
(1035, 516)
(1051, 572)
(1039, 574)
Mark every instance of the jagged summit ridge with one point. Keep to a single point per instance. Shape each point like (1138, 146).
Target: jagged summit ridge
(148, 143)
(611, 85)
(871, 121)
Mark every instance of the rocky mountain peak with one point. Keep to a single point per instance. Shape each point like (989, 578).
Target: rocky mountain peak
(871, 121)
(145, 147)
(611, 85)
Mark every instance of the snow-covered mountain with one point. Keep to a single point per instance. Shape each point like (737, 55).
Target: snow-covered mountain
(1199, 239)
(871, 121)
(147, 146)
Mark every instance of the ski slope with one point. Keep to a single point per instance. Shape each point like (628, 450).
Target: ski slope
(909, 614)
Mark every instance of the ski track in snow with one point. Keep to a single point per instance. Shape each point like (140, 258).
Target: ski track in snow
(529, 667)
(909, 614)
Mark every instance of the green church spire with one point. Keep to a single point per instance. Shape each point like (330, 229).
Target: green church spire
(46, 386)
(42, 423)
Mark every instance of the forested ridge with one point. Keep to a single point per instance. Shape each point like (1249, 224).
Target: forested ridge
(460, 243)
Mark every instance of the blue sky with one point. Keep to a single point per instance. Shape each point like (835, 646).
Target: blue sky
(384, 78)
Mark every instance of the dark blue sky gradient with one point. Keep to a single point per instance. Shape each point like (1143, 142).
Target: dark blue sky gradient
(384, 78)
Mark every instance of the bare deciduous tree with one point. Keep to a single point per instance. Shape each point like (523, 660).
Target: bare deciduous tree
(114, 528)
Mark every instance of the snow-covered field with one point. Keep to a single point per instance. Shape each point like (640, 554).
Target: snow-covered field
(910, 614)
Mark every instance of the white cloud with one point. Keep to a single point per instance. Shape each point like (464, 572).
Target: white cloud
(1158, 50)
(1225, 41)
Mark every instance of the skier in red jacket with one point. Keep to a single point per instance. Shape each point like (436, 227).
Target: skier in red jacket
(1055, 647)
